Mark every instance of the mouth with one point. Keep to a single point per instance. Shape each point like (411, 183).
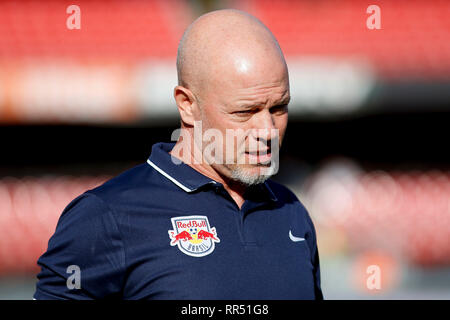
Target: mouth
(259, 156)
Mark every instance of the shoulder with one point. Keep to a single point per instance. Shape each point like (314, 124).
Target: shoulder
(98, 203)
(128, 179)
(139, 182)
(85, 217)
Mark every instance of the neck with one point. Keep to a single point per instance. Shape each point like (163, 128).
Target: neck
(235, 189)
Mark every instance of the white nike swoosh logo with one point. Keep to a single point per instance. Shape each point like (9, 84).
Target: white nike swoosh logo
(295, 239)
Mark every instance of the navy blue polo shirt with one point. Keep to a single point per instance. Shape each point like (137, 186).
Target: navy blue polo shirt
(165, 231)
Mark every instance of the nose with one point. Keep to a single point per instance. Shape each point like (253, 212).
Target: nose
(265, 126)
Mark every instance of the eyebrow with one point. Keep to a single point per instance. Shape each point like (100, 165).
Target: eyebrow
(285, 100)
(281, 102)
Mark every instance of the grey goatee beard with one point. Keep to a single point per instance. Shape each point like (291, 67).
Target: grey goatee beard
(239, 175)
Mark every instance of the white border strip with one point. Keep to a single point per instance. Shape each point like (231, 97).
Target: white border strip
(167, 176)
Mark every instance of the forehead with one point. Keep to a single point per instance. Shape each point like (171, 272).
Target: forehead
(260, 95)
(248, 82)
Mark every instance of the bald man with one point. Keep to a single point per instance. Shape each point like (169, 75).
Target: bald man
(200, 219)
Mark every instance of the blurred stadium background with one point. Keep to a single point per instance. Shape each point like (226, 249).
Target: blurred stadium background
(366, 149)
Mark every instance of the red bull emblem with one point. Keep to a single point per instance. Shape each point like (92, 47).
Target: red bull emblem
(193, 235)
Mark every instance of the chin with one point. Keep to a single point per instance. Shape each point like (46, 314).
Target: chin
(252, 176)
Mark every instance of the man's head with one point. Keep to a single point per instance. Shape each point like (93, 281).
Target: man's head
(232, 77)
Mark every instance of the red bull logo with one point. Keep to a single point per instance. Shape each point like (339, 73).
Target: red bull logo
(193, 235)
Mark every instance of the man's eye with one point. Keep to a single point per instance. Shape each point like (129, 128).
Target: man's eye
(279, 108)
(244, 112)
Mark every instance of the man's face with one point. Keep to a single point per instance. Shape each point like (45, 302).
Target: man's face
(249, 106)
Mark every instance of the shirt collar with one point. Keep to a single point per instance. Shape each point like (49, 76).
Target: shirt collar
(183, 175)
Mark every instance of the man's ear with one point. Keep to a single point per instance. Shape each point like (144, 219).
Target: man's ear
(186, 104)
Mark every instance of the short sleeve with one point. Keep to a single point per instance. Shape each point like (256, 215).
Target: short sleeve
(86, 244)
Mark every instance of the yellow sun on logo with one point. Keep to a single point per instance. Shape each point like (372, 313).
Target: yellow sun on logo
(194, 234)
